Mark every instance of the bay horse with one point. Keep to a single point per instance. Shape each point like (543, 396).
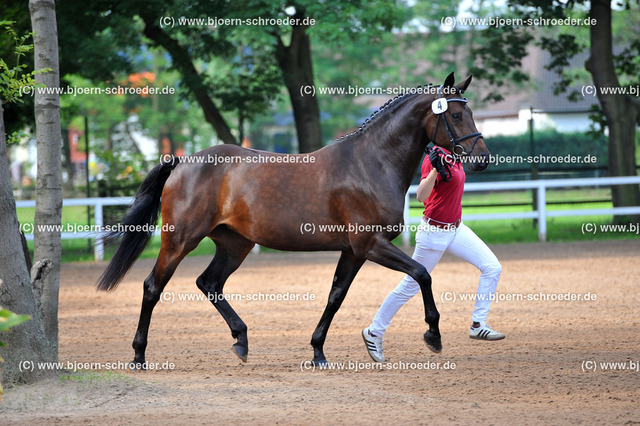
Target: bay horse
(362, 179)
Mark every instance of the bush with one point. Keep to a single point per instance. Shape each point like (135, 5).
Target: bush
(546, 143)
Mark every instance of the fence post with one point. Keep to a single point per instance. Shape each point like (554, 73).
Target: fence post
(98, 247)
(406, 231)
(542, 212)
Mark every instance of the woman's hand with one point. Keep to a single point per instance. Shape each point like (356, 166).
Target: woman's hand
(439, 164)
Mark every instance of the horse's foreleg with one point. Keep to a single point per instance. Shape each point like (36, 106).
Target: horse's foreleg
(348, 267)
(386, 254)
(226, 260)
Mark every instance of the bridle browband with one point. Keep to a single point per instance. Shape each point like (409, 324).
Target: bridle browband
(456, 149)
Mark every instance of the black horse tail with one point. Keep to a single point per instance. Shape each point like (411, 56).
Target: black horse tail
(143, 211)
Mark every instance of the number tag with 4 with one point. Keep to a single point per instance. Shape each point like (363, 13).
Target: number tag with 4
(439, 105)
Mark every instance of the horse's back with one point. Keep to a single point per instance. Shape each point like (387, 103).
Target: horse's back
(269, 198)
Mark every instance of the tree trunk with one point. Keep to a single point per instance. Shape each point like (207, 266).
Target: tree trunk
(68, 164)
(193, 79)
(621, 111)
(47, 248)
(132, 140)
(108, 143)
(27, 341)
(297, 71)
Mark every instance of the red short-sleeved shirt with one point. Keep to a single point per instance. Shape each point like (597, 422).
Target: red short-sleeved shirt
(445, 201)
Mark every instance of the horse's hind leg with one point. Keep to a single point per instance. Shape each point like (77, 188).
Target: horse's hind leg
(348, 267)
(166, 264)
(231, 250)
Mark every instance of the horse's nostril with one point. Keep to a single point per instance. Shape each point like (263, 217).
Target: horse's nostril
(482, 162)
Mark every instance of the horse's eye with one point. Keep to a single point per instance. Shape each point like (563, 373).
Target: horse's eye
(456, 116)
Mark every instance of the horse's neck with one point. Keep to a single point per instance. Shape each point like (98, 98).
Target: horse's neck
(399, 142)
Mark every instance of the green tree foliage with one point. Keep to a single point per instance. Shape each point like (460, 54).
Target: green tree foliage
(608, 66)
(174, 117)
(8, 319)
(18, 115)
(226, 67)
(15, 78)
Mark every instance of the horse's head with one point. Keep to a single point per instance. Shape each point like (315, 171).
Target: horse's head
(449, 124)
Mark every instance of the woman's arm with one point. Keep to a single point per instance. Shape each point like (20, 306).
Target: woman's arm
(426, 186)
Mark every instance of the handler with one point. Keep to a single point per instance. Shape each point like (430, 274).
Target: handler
(440, 230)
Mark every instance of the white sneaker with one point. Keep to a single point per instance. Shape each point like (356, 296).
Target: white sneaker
(484, 332)
(374, 345)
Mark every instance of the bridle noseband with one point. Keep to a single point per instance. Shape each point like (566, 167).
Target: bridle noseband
(456, 149)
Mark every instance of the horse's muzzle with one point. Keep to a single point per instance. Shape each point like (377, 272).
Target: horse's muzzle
(480, 162)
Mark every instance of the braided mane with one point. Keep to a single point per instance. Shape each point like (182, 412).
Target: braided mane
(384, 108)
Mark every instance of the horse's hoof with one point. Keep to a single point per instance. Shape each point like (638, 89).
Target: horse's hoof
(241, 351)
(320, 363)
(137, 366)
(434, 343)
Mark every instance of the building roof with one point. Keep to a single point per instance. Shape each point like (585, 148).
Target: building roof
(538, 92)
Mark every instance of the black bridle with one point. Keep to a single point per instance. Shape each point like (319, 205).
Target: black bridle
(456, 149)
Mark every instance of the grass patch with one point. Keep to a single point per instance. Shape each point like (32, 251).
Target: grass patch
(506, 231)
(492, 232)
(81, 250)
(91, 377)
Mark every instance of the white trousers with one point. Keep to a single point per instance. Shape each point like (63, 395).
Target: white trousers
(431, 243)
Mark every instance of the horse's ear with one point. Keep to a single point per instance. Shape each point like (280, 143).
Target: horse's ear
(448, 82)
(463, 86)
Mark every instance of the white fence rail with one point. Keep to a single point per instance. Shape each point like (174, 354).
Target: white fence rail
(98, 220)
(541, 214)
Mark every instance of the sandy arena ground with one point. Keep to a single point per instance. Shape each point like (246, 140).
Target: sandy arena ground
(547, 370)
